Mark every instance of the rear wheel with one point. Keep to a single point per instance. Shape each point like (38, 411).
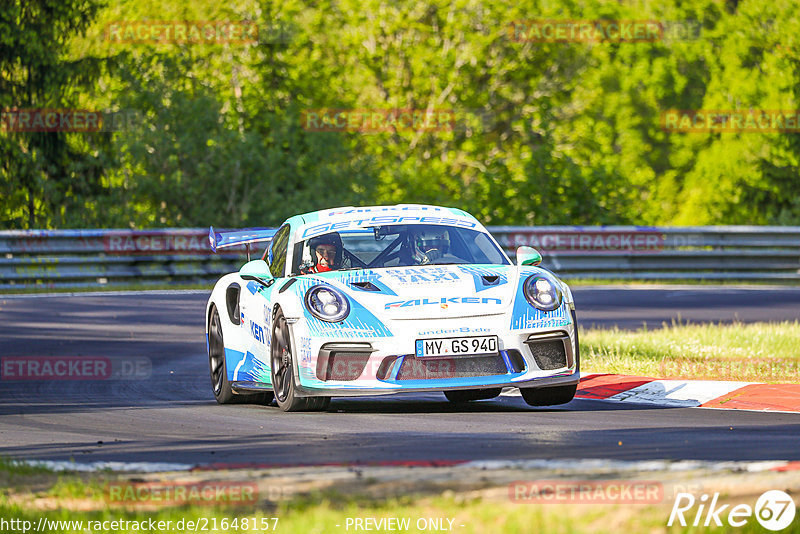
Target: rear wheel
(220, 385)
(467, 395)
(216, 361)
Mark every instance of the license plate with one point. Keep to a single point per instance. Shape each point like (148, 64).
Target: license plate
(456, 346)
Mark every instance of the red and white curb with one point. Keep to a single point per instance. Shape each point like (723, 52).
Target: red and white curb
(691, 393)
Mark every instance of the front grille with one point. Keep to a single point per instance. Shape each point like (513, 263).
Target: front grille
(414, 368)
(549, 354)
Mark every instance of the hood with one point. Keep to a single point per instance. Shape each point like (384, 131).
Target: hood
(431, 291)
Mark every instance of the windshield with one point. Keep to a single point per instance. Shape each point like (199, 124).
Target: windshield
(395, 246)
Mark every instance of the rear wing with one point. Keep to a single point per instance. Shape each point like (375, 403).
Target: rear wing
(232, 238)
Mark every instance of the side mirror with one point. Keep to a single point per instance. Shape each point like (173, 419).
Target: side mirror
(257, 270)
(528, 256)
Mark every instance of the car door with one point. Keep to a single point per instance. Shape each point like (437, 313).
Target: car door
(256, 307)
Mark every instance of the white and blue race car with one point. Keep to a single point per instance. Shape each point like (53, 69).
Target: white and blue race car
(388, 299)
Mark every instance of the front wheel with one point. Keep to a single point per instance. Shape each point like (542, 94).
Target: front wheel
(556, 394)
(282, 369)
(549, 396)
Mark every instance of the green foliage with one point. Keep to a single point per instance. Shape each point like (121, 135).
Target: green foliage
(545, 132)
(44, 177)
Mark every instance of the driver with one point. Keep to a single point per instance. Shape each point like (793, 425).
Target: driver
(326, 252)
(429, 245)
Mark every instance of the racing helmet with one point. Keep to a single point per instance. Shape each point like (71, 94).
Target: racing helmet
(430, 244)
(333, 239)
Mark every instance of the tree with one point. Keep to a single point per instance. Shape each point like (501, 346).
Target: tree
(44, 174)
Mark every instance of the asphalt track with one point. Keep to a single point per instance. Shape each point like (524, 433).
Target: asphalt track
(171, 416)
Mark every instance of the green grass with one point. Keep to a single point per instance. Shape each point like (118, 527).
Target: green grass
(468, 516)
(319, 513)
(14, 467)
(82, 497)
(762, 352)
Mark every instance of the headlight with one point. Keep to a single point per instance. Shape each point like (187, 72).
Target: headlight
(327, 303)
(542, 292)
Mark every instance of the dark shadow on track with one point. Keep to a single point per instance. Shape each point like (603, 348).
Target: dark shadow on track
(718, 443)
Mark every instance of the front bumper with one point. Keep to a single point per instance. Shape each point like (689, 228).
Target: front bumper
(381, 366)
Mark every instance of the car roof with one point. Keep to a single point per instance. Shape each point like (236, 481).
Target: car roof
(353, 217)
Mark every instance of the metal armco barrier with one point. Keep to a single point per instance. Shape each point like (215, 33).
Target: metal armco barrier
(93, 258)
(77, 258)
(770, 253)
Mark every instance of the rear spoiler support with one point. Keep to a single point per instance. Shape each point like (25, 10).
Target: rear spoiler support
(220, 239)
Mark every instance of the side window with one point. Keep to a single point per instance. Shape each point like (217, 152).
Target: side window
(487, 251)
(277, 252)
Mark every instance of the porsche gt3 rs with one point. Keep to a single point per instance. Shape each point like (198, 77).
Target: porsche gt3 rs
(387, 299)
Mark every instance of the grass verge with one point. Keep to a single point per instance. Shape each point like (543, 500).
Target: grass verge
(69, 502)
(758, 352)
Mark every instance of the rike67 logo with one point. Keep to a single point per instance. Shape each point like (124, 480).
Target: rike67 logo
(774, 510)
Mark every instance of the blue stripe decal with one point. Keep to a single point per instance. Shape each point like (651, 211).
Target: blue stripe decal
(367, 275)
(398, 363)
(457, 381)
(229, 238)
(525, 316)
(253, 286)
(360, 323)
(504, 354)
(243, 367)
(478, 272)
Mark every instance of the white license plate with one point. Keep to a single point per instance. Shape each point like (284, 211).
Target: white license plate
(456, 346)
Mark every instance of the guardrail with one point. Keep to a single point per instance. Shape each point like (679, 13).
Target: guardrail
(75, 258)
(766, 253)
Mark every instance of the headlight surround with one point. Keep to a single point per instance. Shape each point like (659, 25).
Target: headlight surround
(542, 292)
(327, 303)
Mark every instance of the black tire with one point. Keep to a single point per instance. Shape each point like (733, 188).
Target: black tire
(466, 395)
(220, 386)
(282, 369)
(216, 362)
(549, 396)
(555, 395)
